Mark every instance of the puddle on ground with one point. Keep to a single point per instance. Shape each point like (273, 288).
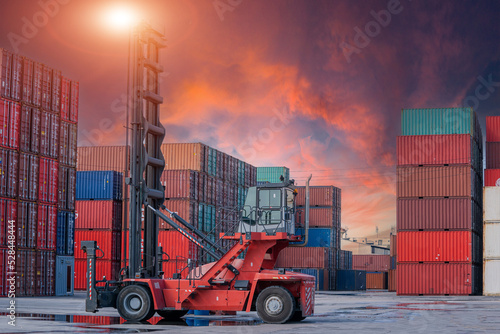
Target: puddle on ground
(195, 321)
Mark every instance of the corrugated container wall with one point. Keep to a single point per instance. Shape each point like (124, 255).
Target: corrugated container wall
(371, 262)
(491, 283)
(438, 150)
(393, 245)
(376, 281)
(451, 181)
(493, 155)
(272, 174)
(351, 280)
(184, 156)
(303, 257)
(493, 128)
(438, 279)
(102, 158)
(491, 236)
(105, 215)
(440, 121)
(439, 246)
(438, 214)
(319, 196)
(96, 185)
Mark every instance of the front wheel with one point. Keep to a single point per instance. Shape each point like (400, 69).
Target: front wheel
(134, 303)
(275, 305)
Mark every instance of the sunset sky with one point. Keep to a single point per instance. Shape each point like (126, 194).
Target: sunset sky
(317, 86)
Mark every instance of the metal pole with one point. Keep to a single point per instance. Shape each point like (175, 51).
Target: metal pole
(127, 157)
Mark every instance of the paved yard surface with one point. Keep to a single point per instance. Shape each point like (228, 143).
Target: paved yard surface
(355, 312)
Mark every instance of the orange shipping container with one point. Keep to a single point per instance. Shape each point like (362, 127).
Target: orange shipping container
(184, 156)
(376, 281)
(92, 158)
(392, 280)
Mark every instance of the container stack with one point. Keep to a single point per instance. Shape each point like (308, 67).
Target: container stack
(38, 122)
(272, 174)
(439, 202)
(99, 217)
(322, 251)
(376, 267)
(205, 187)
(394, 259)
(491, 218)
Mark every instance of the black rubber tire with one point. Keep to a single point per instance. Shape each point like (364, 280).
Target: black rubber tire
(140, 296)
(275, 297)
(171, 315)
(297, 316)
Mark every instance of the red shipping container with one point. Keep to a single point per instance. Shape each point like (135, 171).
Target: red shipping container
(4, 269)
(37, 84)
(492, 177)
(437, 150)
(319, 196)
(28, 176)
(10, 123)
(56, 91)
(438, 214)
(8, 212)
(448, 181)
(48, 181)
(45, 268)
(45, 121)
(438, 279)
(28, 69)
(108, 268)
(176, 245)
(439, 246)
(29, 129)
(304, 257)
(318, 217)
(493, 155)
(46, 88)
(493, 128)
(105, 215)
(9, 168)
(108, 241)
(67, 183)
(377, 263)
(54, 136)
(17, 77)
(5, 73)
(180, 184)
(74, 101)
(65, 101)
(394, 245)
(47, 224)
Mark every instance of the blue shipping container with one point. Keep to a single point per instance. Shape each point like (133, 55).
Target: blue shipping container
(351, 280)
(99, 185)
(65, 238)
(318, 237)
(65, 275)
(321, 276)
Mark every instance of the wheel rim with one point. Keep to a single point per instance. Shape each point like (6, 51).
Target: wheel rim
(133, 303)
(273, 305)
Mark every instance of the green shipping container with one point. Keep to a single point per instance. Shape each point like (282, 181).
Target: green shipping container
(272, 174)
(440, 121)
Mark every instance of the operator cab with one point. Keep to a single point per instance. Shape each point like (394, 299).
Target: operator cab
(269, 208)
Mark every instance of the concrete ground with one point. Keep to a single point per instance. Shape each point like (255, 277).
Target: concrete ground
(356, 312)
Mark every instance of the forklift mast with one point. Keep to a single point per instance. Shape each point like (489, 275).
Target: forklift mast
(146, 160)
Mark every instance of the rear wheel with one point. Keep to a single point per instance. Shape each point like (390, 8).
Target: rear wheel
(171, 315)
(134, 303)
(275, 305)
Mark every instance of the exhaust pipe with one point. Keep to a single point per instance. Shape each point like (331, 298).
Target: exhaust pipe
(306, 227)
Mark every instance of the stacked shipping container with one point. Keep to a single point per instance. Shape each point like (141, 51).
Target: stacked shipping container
(439, 177)
(322, 252)
(491, 217)
(376, 268)
(394, 259)
(99, 217)
(38, 134)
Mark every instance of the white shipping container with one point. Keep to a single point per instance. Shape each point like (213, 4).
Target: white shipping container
(491, 204)
(491, 246)
(491, 283)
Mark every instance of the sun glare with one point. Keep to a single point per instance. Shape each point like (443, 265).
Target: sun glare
(121, 18)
